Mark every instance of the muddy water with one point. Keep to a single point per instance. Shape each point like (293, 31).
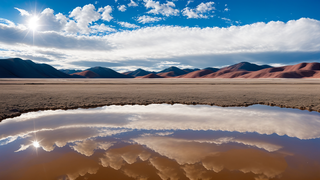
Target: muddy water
(162, 142)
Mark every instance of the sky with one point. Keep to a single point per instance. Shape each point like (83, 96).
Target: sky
(155, 34)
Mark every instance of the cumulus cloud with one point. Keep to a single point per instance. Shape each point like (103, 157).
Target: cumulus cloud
(166, 9)
(270, 42)
(50, 22)
(167, 168)
(132, 4)
(23, 12)
(122, 8)
(259, 144)
(50, 39)
(87, 147)
(128, 25)
(177, 117)
(214, 158)
(106, 13)
(101, 28)
(148, 19)
(116, 158)
(79, 20)
(200, 11)
(85, 16)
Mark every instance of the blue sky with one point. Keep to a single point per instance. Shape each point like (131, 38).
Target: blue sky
(150, 34)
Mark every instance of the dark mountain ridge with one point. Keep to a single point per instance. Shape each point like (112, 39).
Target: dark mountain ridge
(177, 71)
(18, 68)
(138, 72)
(107, 73)
(245, 66)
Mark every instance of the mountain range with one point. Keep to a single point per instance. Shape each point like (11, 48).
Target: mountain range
(18, 68)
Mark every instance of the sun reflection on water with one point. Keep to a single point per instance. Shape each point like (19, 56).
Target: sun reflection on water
(36, 144)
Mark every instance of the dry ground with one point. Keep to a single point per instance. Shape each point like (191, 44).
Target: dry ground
(23, 95)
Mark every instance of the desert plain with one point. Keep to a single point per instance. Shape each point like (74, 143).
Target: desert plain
(18, 96)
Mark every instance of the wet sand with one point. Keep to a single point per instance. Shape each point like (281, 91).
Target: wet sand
(23, 95)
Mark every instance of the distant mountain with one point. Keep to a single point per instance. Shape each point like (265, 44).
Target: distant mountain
(196, 74)
(245, 66)
(70, 71)
(151, 75)
(176, 71)
(212, 69)
(87, 74)
(169, 74)
(301, 70)
(107, 73)
(235, 70)
(138, 72)
(18, 68)
(188, 70)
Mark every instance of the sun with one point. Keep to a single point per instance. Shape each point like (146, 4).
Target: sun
(36, 144)
(33, 22)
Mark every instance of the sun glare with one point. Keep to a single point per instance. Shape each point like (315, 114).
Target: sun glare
(33, 22)
(36, 144)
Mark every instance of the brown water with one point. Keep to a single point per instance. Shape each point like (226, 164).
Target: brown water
(162, 142)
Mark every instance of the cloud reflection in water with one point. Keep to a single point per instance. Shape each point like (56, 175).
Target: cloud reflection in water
(160, 142)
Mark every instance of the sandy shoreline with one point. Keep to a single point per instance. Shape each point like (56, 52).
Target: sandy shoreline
(23, 95)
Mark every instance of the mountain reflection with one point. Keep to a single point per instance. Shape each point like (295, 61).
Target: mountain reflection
(162, 142)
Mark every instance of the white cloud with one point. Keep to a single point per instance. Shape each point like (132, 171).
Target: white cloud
(85, 16)
(190, 1)
(122, 8)
(201, 11)
(226, 19)
(132, 4)
(87, 147)
(23, 147)
(6, 22)
(23, 12)
(167, 117)
(259, 144)
(190, 13)
(101, 28)
(50, 22)
(152, 45)
(148, 19)
(164, 9)
(128, 25)
(205, 7)
(106, 13)
(226, 9)
(71, 27)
